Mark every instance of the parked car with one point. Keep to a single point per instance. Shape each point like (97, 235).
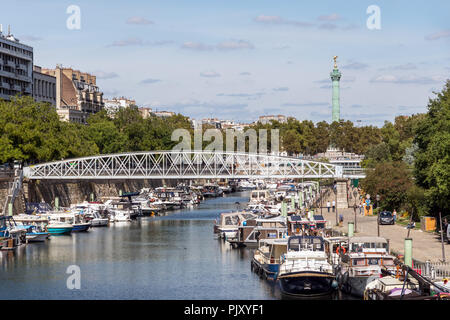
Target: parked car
(386, 217)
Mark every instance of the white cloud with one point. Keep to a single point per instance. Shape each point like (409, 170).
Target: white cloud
(279, 20)
(196, 46)
(389, 78)
(330, 17)
(210, 74)
(150, 81)
(127, 42)
(235, 45)
(438, 35)
(281, 89)
(139, 21)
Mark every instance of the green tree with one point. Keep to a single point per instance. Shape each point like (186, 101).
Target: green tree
(390, 180)
(432, 158)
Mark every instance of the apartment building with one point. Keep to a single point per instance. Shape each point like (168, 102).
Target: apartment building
(44, 86)
(115, 104)
(16, 66)
(269, 118)
(77, 94)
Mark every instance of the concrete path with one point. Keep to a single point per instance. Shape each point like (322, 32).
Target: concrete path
(426, 246)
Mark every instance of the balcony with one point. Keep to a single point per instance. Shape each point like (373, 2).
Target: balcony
(16, 54)
(10, 63)
(6, 85)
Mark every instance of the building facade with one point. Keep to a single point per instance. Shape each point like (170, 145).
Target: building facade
(145, 112)
(77, 94)
(44, 86)
(164, 114)
(115, 104)
(267, 119)
(16, 67)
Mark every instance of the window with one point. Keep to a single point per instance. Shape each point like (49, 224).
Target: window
(358, 262)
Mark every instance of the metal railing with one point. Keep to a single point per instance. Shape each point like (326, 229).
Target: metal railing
(433, 270)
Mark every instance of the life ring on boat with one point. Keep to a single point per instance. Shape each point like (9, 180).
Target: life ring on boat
(338, 249)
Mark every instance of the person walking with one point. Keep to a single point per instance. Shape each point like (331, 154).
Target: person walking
(360, 209)
(328, 205)
(395, 215)
(334, 205)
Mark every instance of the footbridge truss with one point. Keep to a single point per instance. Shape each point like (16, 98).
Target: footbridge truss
(182, 165)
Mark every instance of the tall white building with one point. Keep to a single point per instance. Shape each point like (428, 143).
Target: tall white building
(16, 66)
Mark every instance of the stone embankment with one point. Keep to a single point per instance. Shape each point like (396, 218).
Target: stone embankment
(70, 192)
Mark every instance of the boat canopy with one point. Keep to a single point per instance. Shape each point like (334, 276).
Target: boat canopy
(367, 240)
(306, 243)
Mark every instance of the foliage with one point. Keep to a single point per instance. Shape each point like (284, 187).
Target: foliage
(390, 180)
(432, 158)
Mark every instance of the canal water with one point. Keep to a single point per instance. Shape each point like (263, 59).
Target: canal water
(169, 257)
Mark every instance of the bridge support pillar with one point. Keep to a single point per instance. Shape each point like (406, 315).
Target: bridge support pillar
(342, 199)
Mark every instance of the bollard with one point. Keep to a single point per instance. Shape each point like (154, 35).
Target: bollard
(408, 252)
(351, 229)
(56, 203)
(92, 197)
(10, 209)
(120, 192)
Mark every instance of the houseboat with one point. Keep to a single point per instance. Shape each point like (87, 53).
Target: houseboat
(365, 259)
(266, 259)
(305, 270)
(34, 233)
(252, 230)
(211, 191)
(11, 236)
(228, 223)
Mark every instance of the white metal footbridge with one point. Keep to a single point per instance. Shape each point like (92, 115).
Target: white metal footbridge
(183, 165)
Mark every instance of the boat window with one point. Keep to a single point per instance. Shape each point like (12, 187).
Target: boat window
(388, 262)
(358, 262)
(372, 261)
(228, 221)
(304, 243)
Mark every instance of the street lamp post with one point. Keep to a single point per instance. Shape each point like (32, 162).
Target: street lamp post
(378, 216)
(335, 205)
(355, 193)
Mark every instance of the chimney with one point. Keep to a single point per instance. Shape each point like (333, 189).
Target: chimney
(1, 29)
(9, 30)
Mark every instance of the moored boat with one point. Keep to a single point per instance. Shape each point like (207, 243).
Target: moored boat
(305, 270)
(59, 228)
(266, 259)
(364, 261)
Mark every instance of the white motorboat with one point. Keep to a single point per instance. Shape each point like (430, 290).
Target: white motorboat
(305, 270)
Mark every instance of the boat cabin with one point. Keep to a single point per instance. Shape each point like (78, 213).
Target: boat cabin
(260, 195)
(306, 243)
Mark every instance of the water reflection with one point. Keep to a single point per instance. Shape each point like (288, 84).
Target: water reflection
(169, 257)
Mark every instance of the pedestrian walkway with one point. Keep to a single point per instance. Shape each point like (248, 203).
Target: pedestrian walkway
(426, 245)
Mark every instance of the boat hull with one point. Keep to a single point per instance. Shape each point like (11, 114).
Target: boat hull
(81, 227)
(357, 285)
(306, 284)
(37, 237)
(99, 222)
(266, 271)
(59, 230)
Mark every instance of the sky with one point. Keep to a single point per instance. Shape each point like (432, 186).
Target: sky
(240, 59)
